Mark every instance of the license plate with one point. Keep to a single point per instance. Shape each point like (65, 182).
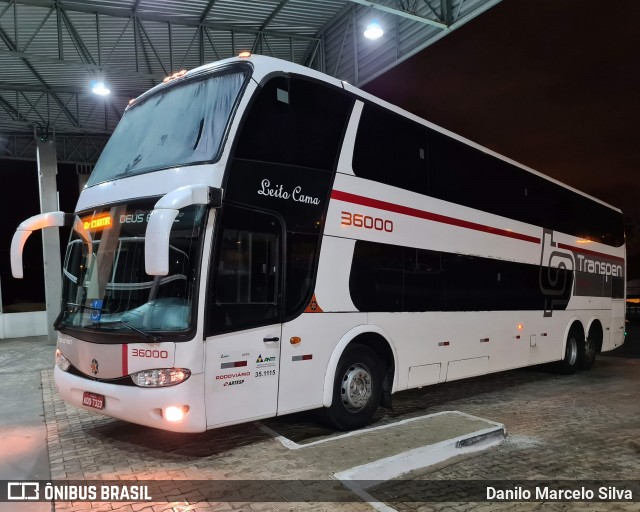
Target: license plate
(93, 400)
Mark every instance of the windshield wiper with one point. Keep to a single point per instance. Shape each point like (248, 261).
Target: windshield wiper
(199, 133)
(146, 334)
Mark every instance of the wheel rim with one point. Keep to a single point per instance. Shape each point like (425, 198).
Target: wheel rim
(589, 348)
(572, 351)
(357, 387)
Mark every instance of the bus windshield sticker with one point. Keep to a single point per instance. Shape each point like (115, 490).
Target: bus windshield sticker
(96, 310)
(262, 362)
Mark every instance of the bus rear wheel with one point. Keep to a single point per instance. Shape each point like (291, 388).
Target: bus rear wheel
(570, 362)
(587, 353)
(357, 389)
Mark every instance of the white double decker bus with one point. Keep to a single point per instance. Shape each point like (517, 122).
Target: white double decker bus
(258, 239)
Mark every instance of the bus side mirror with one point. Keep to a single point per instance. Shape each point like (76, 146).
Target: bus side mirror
(43, 220)
(156, 247)
(40, 221)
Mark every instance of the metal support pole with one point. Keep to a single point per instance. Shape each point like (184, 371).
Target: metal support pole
(1, 309)
(356, 79)
(47, 171)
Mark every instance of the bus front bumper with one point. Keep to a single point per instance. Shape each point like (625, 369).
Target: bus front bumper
(145, 406)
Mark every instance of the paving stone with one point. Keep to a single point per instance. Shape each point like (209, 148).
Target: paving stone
(583, 426)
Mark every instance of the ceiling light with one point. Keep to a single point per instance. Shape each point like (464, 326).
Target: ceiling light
(100, 89)
(373, 31)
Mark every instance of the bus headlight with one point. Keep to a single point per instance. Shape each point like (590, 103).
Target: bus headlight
(160, 377)
(62, 362)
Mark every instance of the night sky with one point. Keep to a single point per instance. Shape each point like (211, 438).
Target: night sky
(553, 84)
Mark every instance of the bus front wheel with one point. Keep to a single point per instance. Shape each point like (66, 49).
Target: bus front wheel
(357, 389)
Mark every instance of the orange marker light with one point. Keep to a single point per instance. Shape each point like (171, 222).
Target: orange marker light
(520, 327)
(244, 55)
(295, 340)
(177, 74)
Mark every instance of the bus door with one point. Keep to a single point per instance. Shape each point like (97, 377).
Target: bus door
(242, 349)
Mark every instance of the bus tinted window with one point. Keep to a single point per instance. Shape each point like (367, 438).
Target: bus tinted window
(391, 150)
(467, 176)
(398, 152)
(179, 125)
(246, 288)
(301, 261)
(296, 122)
(470, 283)
(617, 288)
(376, 280)
(392, 278)
(423, 280)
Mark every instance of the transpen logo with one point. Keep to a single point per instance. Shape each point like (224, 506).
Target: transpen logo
(553, 257)
(556, 274)
(595, 266)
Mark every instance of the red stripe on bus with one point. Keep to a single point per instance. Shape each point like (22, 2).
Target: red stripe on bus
(125, 360)
(591, 253)
(435, 217)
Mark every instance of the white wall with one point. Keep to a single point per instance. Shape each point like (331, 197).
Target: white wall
(19, 325)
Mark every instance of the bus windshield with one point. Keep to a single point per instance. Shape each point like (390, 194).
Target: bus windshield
(105, 287)
(179, 125)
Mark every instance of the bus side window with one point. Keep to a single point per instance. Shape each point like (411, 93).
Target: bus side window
(305, 130)
(424, 280)
(376, 282)
(391, 150)
(462, 174)
(301, 260)
(246, 276)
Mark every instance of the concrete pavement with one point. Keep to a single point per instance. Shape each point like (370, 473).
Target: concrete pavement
(23, 435)
(560, 427)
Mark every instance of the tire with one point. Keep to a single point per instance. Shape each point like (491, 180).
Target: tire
(357, 389)
(587, 353)
(570, 362)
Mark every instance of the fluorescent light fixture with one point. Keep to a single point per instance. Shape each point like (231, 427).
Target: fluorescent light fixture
(100, 89)
(373, 31)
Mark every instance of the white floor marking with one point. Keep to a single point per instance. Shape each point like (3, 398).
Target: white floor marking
(397, 465)
(405, 462)
(292, 445)
(357, 478)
